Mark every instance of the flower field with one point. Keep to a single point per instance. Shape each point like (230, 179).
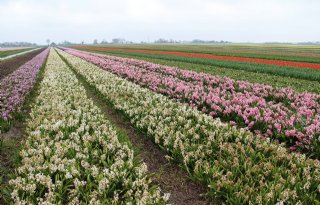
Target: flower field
(6, 52)
(237, 166)
(15, 87)
(245, 143)
(210, 56)
(281, 114)
(10, 65)
(276, 70)
(12, 48)
(276, 81)
(72, 153)
(273, 52)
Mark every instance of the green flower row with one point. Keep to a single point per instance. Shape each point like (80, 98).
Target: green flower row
(72, 154)
(237, 166)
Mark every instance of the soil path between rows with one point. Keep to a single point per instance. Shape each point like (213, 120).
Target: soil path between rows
(168, 175)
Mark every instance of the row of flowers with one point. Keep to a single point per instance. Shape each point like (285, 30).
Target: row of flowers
(72, 154)
(236, 165)
(282, 114)
(15, 87)
(210, 56)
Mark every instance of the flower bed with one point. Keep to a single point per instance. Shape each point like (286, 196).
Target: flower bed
(281, 114)
(315, 66)
(237, 166)
(15, 87)
(72, 153)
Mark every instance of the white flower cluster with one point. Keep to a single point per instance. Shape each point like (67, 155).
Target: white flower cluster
(72, 154)
(236, 165)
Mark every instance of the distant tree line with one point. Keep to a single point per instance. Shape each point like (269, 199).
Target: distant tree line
(172, 41)
(96, 42)
(113, 41)
(299, 43)
(212, 41)
(17, 44)
(160, 40)
(309, 43)
(66, 43)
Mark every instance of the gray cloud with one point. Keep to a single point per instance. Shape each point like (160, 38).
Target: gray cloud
(233, 20)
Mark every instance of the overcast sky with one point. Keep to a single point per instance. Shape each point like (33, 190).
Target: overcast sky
(143, 20)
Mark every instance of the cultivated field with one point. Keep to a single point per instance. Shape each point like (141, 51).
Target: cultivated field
(303, 79)
(12, 48)
(158, 124)
(303, 53)
(5, 52)
(10, 65)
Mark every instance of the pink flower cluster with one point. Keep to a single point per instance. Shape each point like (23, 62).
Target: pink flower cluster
(281, 114)
(15, 87)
